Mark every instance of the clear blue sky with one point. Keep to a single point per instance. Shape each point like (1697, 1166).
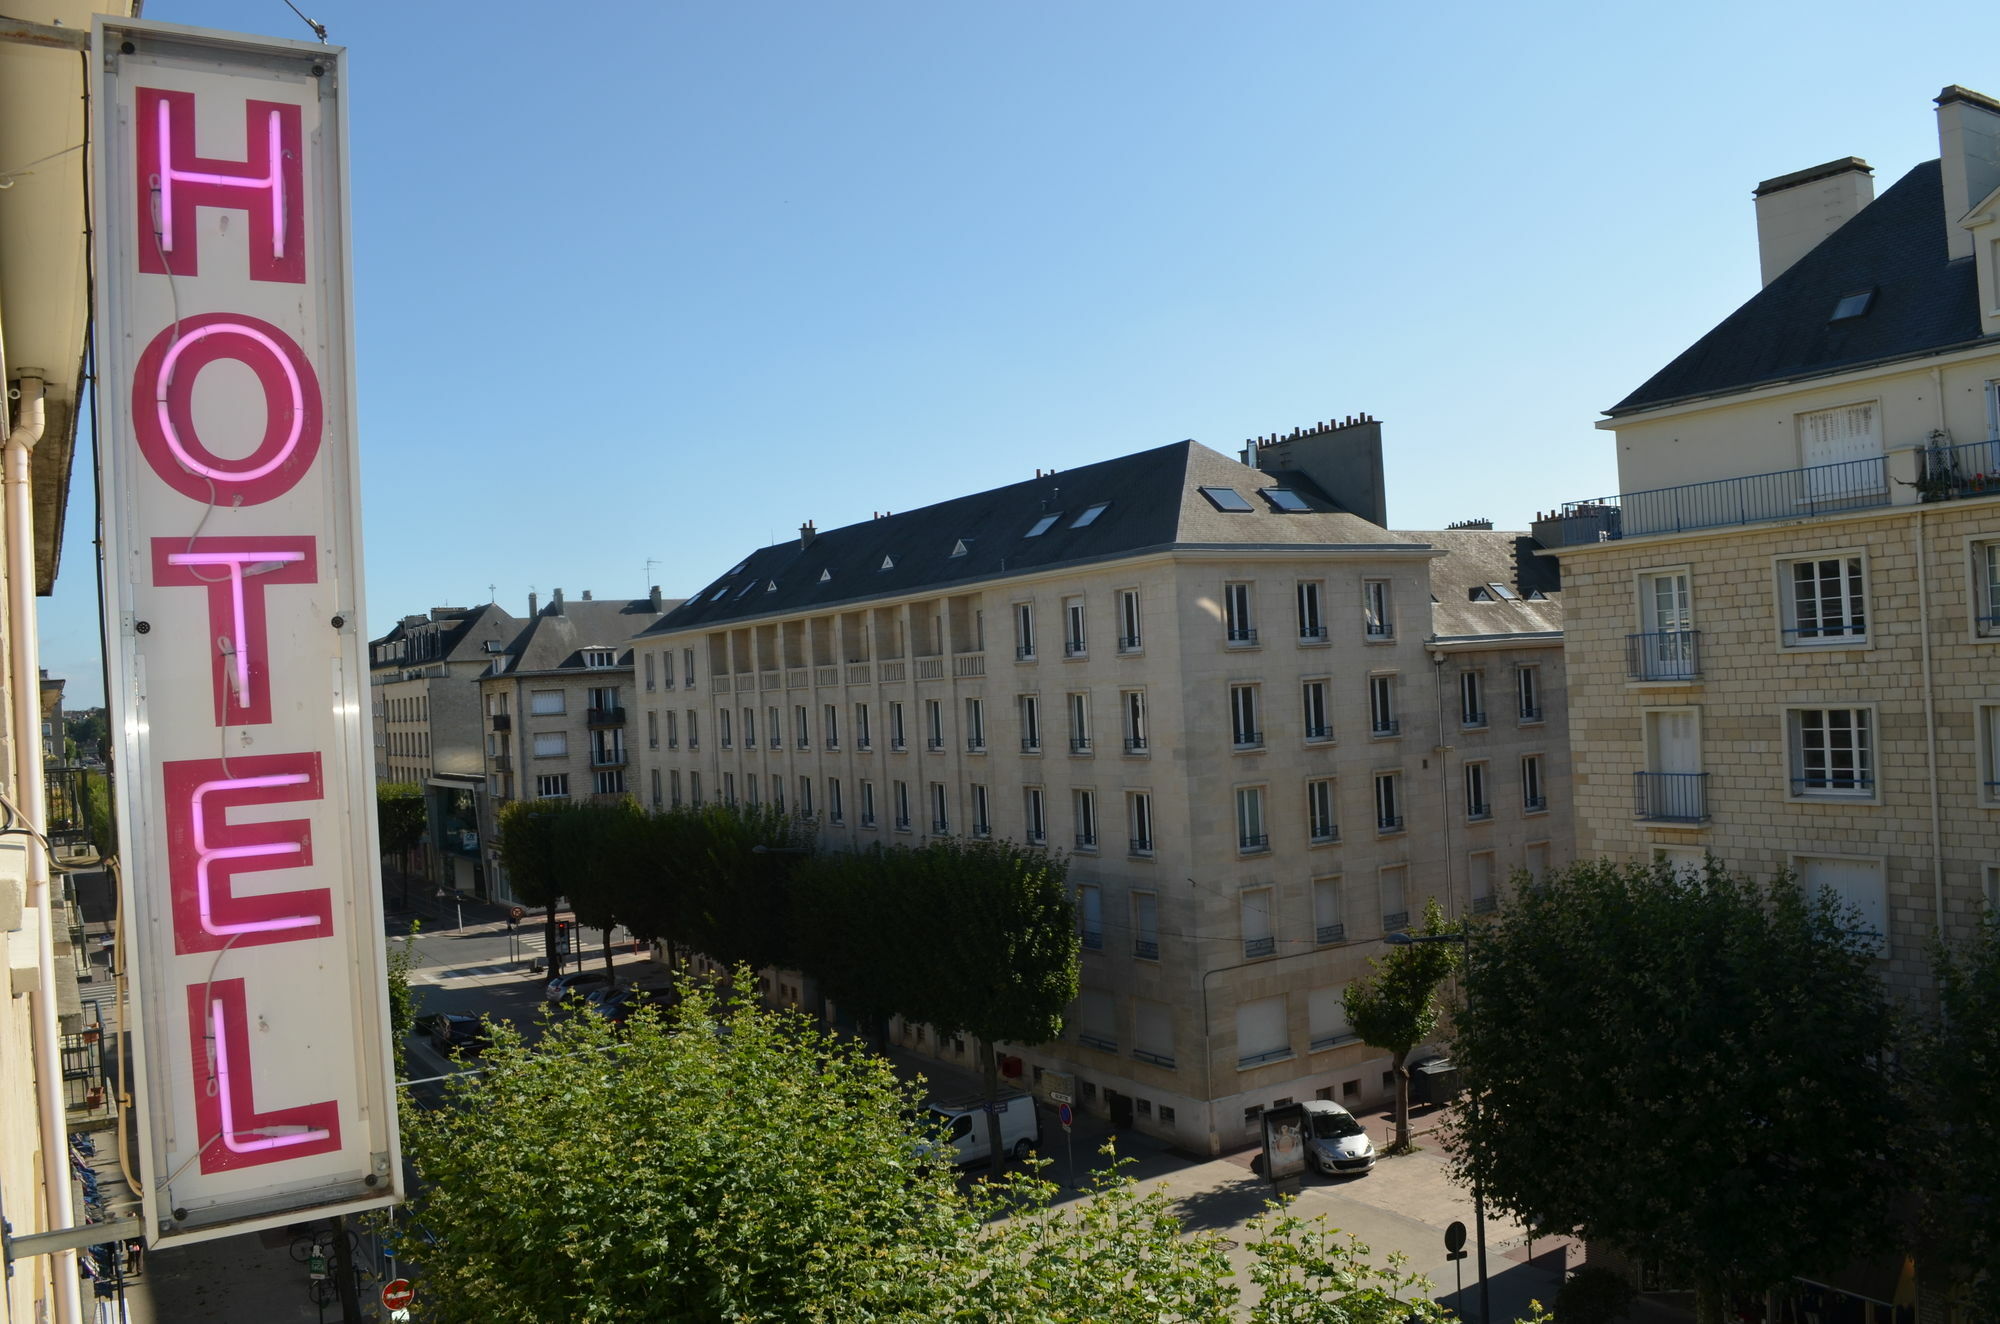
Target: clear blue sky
(661, 281)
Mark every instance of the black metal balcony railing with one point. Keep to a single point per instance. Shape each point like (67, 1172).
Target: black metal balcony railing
(1484, 905)
(982, 830)
(1531, 714)
(1258, 1059)
(1670, 797)
(1079, 744)
(1157, 1059)
(607, 758)
(898, 743)
(603, 717)
(1073, 648)
(1248, 739)
(1330, 933)
(1809, 635)
(902, 823)
(935, 744)
(1128, 643)
(1243, 635)
(1097, 1041)
(1146, 949)
(1389, 822)
(1255, 947)
(1093, 940)
(939, 827)
(1025, 653)
(975, 745)
(868, 820)
(502, 722)
(1135, 744)
(1947, 473)
(1324, 834)
(1037, 837)
(1250, 843)
(1142, 845)
(1086, 841)
(1834, 783)
(864, 744)
(1663, 655)
(1721, 502)
(1472, 717)
(1395, 920)
(1478, 809)
(1312, 633)
(1319, 732)
(1384, 726)
(1030, 745)
(1381, 630)
(503, 762)
(1534, 804)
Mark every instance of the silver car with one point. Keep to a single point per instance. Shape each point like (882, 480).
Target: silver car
(1336, 1143)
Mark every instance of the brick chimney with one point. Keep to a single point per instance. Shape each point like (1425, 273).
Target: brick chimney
(654, 599)
(1796, 211)
(534, 604)
(806, 535)
(556, 603)
(1969, 154)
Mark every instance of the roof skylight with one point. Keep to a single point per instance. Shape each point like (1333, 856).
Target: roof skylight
(1089, 516)
(1226, 498)
(1043, 525)
(744, 592)
(1284, 498)
(1852, 305)
(1502, 591)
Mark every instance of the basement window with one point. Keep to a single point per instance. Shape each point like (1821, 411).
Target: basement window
(1226, 498)
(1043, 525)
(1852, 305)
(1089, 516)
(1284, 498)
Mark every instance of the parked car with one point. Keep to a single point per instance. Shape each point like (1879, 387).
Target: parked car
(964, 1122)
(580, 982)
(618, 1004)
(454, 1031)
(1336, 1143)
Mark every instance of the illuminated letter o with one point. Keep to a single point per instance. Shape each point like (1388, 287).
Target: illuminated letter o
(163, 409)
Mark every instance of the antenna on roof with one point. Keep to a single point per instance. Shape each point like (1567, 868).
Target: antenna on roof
(319, 28)
(647, 578)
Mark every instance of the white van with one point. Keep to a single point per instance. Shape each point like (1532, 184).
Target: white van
(963, 1118)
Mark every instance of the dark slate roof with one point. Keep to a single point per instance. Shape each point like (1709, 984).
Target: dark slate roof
(1480, 558)
(462, 635)
(1924, 302)
(1154, 503)
(554, 639)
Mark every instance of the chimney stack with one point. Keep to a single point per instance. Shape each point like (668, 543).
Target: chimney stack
(654, 599)
(534, 605)
(556, 603)
(586, 595)
(1796, 211)
(806, 535)
(1969, 154)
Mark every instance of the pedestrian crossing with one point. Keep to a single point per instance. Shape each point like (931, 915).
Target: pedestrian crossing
(439, 976)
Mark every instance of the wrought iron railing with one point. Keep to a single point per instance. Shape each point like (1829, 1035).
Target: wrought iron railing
(1330, 932)
(1663, 655)
(1256, 947)
(1722, 502)
(1670, 797)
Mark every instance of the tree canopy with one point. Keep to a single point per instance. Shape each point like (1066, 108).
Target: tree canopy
(1396, 1007)
(1688, 1068)
(399, 815)
(1959, 1081)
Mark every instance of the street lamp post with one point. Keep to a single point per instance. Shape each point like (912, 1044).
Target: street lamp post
(1478, 1196)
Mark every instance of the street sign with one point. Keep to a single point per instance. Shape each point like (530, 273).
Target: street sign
(1065, 1116)
(316, 1265)
(398, 1295)
(1454, 1241)
(1057, 1096)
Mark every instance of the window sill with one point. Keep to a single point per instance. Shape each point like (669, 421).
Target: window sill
(1252, 1064)
(1327, 1045)
(1869, 798)
(1321, 642)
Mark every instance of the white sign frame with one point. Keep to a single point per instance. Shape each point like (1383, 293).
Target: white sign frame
(250, 890)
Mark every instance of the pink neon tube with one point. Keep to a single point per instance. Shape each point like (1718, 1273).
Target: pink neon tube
(166, 378)
(203, 855)
(274, 182)
(236, 561)
(229, 1131)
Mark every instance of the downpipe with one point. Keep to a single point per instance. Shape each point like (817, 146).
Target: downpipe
(24, 653)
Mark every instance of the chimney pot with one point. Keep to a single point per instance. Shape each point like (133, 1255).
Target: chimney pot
(534, 604)
(1796, 211)
(654, 600)
(586, 595)
(556, 602)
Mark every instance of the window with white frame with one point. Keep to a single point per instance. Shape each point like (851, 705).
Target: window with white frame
(551, 744)
(1090, 916)
(1024, 631)
(600, 657)
(1528, 693)
(1079, 723)
(982, 818)
(863, 738)
(1145, 926)
(1986, 589)
(1035, 823)
(1031, 723)
(805, 797)
(1263, 1033)
(1477, 805)
(722, 726)
(1252, 833)
(749, 728)
(1130, 637)
(934, 724)
(649, 664)
(1534, 799)
(802, 723)
(753, 792)
(975, 726)
(1312, 614)
(655, 780)
(1084, 806)
(1132, 705)
(1832, 752)
(609, 781)
(1319, 811)
(867, 804)
(1988, 718)
(1861, 889)
(940, 820)
(1389, 802)
(1241, 628)
(1329, 919)
(898, 736)
(652, 729)
(1382, 706)
(1153, 1032)
(829, 721)
(1472, 698)
(694, 729)
(1326, 1016)
(552, 786)
(546, 703)
(1375, 609)
(1139, 813)
(1075, 641)
(1254, 906)
(835, 809)
(1318, 724)
(674, 786)
(1244, 732)
(1823, 601)
(687, 667)
(900, 795)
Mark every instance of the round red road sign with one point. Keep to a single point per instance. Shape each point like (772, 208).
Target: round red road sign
(399, 1294)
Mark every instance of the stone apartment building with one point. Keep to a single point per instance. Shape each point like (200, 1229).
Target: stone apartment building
(1264, 728)
(553, 707)
(423, 676)
(1784, 633)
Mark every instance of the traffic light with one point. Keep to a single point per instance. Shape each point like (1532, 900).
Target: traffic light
(562, 935)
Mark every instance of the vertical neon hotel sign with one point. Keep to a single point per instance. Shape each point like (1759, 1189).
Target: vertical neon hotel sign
(239, 693)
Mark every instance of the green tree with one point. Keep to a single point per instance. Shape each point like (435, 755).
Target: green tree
(1958, 1079)
(100, 818)
(602, 846)
(401, 816)
(1684, 1068)
(1397, 1006)
(402, 1002)
(529, 851)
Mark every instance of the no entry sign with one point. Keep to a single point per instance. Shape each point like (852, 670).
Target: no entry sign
(398, 1295)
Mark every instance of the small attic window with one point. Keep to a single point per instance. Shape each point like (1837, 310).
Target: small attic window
(741, 566)
(1852, 305)
(771, 587)
(1226, 498)
(1089, 516)
(826, 576)
(961, 547)
(720, 594)
(1284, 498)
(1503, 592)
(745, 591)
(1043, 525)
(494, 645)
(888, 563)
(1478, 593)
(1538, 596)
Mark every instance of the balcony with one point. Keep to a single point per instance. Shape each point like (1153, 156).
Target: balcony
(501, 762)
(1086, 841)
(1783, 495)
(1242, 637)
(1073, 648)
(976, 745)
(1259, 1059)
(608, 758)
(1472, 719)
(1319, 732)
(868, 820)
(1385, 726)
(1099, 1042)
(1025, 653)
(502, 722)
(1325, 834)
(1128, 643)
(1478, 811)
(935, 744)
(1146, 949)
(902, 822)
(1395, 921)
(982, 830)
(1031, 745)
(898, 744)
(864, 744)
(1256, 947)
(1387, 823)
(1534, 804)
(939, 827)
(1248, 740)
(1079, 744)
(604, 717)
(1093, 940)
(1835, 785)
(1135, 744)
(1142, 845)
(1312, 634)
(1252, 843)
(1381, 630)
(1663, 655)
(1531, 715)
(1670, 797)
(1327, 933)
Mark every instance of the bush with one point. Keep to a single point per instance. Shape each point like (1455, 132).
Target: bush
(1593, 1295)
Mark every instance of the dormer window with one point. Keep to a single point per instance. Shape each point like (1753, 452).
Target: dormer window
(1089, 516)
(1852, 305)
(600, 657)
(1043, 525)
(1227, 498)
(1284, 498)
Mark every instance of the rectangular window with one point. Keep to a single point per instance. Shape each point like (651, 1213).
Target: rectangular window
(1389, 801)
(898, 737)
(1034, 823)
(1090, 916)
(1479, 881)
(1472, 698)
(1382, 706)
(1319, 727)
(1146, 926)
(803, 723)
(1375, 609)
(1243, 729)
(1326, 1015)
(1139, 813)
(1132, 704)
(687, 666)
(694, 729)
(1859, 886)
(673, 730)
(729, 788)
(1824, 601)
(1329, 919)
(1074, 640)
(1085, 807)
(655, 779)
(867, 804)
(1262, 1035)
(1129, 638)
(940, 819)
(862, 737)
(674, 786)
(609, 782)
(751, 787)
(835, 810)
(1312, 619)
(648, 659)
(1152, 1036)
(1477, 805)
(1031, 724)
(1254, 914)
(552, 787)
(652, 727)
(1242, 629)
(776, 728)
(1667, 646)
(805, 797)
(1024, 631)
(551, 744)
(900, 791)
(1079, 723)
(722, 726)
(1987, 716)
(1319, 811)
(982, 819)
(934, 725)
(1393, 880)
(694, 788)
(1986, 587)
(1251, 833)
(829, 720)
(1832, 752)
(1528, 693)
(546, 703)
(1533, 798)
